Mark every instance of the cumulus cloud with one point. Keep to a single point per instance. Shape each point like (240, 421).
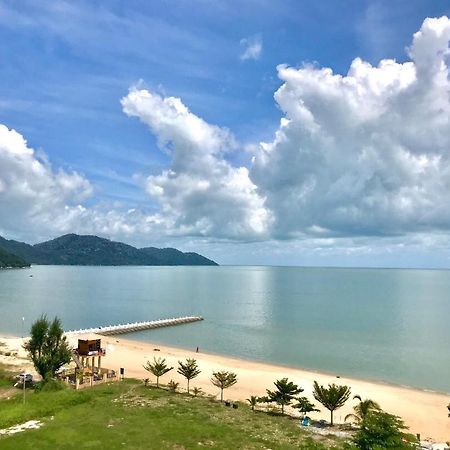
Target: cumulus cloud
(355, 156)
(367, 153)
(252, 47)
(29, 189)
(38, 201)
(201, 193)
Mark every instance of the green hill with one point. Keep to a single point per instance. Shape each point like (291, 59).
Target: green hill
(8, 259)
(73, 249)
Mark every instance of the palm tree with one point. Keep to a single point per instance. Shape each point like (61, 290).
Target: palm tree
(305, 406)
(284, 394)
(332, 397)
(253, 400)
(158, 368)
(189, 370)
(173, 385)
(362, 409)
(197, 391)
(223, 380)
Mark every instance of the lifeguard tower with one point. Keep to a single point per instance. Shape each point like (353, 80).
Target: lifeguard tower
(86, 353)
(88, 359)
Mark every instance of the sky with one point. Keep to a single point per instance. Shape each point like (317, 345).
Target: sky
(254, 132)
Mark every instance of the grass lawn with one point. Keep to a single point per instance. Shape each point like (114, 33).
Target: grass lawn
(132, 416)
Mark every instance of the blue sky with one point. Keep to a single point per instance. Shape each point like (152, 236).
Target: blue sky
(66, 67)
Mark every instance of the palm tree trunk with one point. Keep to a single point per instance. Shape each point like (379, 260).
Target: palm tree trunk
(282, 408)
(188, 385)
(221, 395)
(157, 382)
(331, 417)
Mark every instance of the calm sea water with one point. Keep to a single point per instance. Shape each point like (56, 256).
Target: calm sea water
(390, 325)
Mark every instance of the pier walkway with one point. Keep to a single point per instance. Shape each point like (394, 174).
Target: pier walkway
(137, 326)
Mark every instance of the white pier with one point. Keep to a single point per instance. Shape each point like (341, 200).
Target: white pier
(137, 326)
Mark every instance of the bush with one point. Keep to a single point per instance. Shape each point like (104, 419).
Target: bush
(50, 386)
(380, 430)
(173, 385)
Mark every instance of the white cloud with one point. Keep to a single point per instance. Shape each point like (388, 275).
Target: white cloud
(37, 201)
(201, 193)
(363, 154)
(30, 190)
(252, 47)
(356, 156)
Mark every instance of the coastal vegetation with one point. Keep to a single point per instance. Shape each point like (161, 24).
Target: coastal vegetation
(304, 406)
(189, 370)
(73, 249)
(380, 430)
(223, 380)
(284, 393)
(126, 413)
(48, 347)
(333, 397)
(8, 259)
(129, 415)
(362, 409)
(158, 368)
(253, 401)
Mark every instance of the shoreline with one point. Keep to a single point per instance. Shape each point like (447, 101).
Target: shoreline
(424, 411)
(292, 367)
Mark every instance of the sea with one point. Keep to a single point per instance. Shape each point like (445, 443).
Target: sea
(388, 325)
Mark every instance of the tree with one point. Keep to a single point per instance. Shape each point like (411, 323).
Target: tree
(173, 385)
(380, 430)
(48, 347)
(284, 394)
(223, 380)
(305, 406)
(362, 409)
(332, 397)
(189, 370)
(197, 391)
(253, 401)
(158, 368)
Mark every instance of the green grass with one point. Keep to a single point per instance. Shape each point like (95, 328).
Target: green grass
(6, 376)
(129, 415)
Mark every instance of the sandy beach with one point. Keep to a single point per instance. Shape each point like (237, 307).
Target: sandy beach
(424, 412)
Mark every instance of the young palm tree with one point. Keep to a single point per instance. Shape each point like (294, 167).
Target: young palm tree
(284, 394)
(223, 380)
(189, 370)
(173, 385)
(158, 368)
(197, 391)
(253, 400)
(362, 409)
(332, 397)
(305, 406)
